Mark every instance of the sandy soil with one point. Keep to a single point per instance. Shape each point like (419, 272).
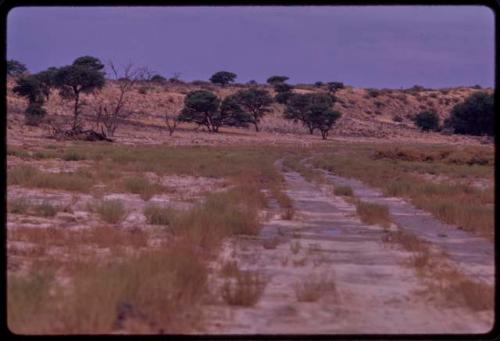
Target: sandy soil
(375, 292)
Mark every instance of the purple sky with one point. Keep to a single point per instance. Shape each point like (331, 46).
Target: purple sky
(369, 46)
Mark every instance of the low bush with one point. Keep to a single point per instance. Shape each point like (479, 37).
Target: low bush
(427, 120)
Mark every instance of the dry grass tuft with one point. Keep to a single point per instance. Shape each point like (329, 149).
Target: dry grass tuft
(159, 215)
(313, 287)
(141, 186)
(245, 290)
(371, 213)
(343, 191)
(111, 211)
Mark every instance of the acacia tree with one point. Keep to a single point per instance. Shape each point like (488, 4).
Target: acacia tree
(223, 78)
(31, 88)
(201, 107)
(284, 92)
(313, 110)
(112, 109)
(323, 119)
(273, 80)
(15, 68)
(204, 108)
(256, 103)
(47, 80)
(83, 76)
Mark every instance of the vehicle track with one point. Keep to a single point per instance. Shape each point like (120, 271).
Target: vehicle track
(375, 292)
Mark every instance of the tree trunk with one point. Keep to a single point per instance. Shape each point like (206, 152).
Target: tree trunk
(311, 130)
(324, 134)
(256, 127)
(75, 113)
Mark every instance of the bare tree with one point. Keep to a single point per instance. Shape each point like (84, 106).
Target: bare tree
(111, 110)
(171, 122)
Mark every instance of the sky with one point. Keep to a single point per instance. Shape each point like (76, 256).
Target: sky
(362, 46)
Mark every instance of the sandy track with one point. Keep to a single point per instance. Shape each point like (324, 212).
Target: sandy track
(375, 292)
(474, 255)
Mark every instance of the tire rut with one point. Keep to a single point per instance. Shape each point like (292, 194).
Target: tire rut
(374, 291)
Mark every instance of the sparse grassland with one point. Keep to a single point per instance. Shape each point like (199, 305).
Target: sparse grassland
(143, 289)
(29, 176)
(442, 279)
(399, 171)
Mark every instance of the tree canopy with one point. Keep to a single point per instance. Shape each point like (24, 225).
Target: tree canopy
(313, 110)
(223, 77)
(475, 116)
(15, 68)
(255, 102)
(277, 79)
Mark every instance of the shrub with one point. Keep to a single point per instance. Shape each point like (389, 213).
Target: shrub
(318, 84)
(474, 116)
(111, 211)
(427, 120)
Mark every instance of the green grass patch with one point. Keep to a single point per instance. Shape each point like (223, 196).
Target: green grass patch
(28, 176)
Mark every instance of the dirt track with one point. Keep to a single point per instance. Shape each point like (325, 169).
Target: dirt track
(374, 291)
